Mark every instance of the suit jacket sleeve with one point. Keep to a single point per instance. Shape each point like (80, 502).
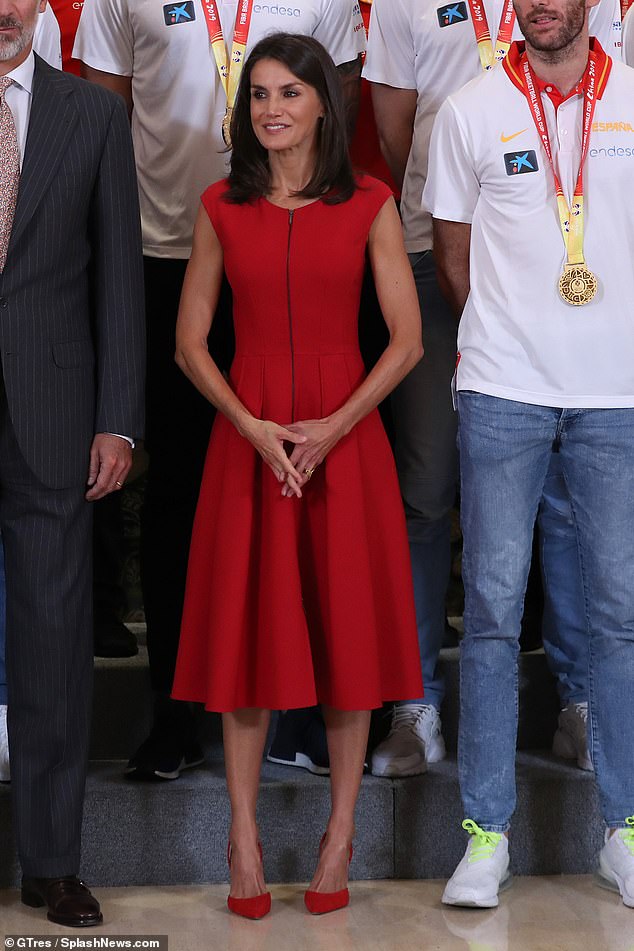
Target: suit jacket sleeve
(117, 284)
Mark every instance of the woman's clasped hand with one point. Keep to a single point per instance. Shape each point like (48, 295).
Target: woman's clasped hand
(269, 438)
(316, 438)
(311, 441)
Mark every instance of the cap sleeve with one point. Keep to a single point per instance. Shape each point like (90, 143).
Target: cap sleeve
(214, 204)
(373, 193)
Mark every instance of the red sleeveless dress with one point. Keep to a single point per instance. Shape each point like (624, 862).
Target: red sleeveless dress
(292, 602)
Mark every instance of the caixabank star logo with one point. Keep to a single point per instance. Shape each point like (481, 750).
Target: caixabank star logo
(520, 163)
(452, 13)
(175, 13)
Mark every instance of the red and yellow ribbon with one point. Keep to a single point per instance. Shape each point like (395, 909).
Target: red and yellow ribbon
(593, 82)
(229, 66)
(488, 55)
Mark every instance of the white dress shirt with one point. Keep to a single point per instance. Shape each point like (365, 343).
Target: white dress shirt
(18, 99)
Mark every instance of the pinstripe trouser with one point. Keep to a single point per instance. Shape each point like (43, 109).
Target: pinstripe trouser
(49, 657)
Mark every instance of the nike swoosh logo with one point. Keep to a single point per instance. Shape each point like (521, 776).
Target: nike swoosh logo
(507, 138)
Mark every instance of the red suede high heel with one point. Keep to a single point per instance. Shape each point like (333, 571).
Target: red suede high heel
(320, 903)
(256, 907)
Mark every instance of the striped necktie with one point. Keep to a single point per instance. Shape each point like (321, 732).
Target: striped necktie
(9, 171)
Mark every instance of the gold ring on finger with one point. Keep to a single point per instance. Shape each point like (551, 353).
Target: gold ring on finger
(309, 472)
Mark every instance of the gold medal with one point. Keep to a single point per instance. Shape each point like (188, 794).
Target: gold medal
(229, 64)
(577, 285)
(226, 127)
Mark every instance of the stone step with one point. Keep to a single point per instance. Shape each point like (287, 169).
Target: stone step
(122, 706)
(175, 832)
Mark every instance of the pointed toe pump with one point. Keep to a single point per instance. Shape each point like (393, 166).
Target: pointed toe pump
(256, 907)
(320, 903)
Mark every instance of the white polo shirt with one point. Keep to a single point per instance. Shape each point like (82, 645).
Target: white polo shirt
(179, 101)
(430, 46)
(518, 339)
(628, 37)
(47, 41)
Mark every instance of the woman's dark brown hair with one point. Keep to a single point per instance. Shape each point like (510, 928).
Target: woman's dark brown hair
(250, 176)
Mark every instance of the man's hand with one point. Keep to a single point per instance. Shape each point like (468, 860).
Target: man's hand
(110, 462)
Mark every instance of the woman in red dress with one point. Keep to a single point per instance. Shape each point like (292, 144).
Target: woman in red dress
(299, 586)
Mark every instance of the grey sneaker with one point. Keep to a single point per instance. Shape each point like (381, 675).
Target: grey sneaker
(414, 741)
(571, 738)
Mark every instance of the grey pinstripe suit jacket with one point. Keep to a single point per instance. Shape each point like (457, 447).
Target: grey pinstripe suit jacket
(71, 294)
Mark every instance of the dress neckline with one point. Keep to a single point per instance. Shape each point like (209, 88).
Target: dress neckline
(274, 204)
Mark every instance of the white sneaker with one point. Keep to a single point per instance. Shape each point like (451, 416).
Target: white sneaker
(5, 774)
(482, 872)
(616, 863)
(571, 739)
(414, 741)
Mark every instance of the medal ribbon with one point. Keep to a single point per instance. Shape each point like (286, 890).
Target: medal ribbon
(570, 218)
(229, 68)
(489, 56)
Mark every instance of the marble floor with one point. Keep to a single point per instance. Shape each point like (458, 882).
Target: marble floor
(537, 914)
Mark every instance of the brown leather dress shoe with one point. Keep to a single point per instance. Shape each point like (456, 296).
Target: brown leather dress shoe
(68, 900)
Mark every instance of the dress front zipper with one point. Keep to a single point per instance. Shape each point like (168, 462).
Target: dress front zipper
(290, 312)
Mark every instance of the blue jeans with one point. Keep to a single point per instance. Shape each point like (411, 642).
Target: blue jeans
(3, 629)
(505, 451)
(425, 427)
(564, 626)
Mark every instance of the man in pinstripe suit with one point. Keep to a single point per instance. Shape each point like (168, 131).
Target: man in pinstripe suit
(71, 347)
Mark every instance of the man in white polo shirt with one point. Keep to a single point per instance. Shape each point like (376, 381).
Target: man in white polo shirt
(161, 58)
(531, 186)
(419, 52)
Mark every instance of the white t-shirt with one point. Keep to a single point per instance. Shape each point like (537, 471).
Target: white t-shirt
(47, 41)
(178, 99)
(414, 44)
(518, 339)
(628, 37)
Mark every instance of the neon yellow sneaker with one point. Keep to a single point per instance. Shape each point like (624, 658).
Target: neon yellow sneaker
(482, 872)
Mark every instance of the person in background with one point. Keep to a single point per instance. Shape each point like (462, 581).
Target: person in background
(418, 54)
(532, 227)
(68, 13)
(47, 38)
(154, 55)
(365, 147)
